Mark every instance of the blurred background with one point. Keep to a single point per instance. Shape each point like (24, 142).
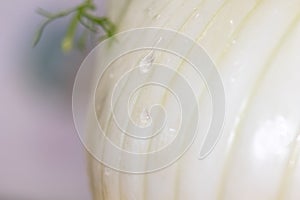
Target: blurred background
(41, 156)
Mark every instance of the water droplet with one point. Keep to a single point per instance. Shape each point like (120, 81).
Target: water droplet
(233, 42)
(157, 17)
(146, 62)
(172, 130)
(197, 16)
(145, 119)
(231, 22)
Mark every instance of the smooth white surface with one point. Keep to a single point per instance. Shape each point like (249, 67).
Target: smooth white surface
(255, 45)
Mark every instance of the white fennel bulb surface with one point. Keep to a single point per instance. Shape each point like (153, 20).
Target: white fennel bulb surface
(255, 47)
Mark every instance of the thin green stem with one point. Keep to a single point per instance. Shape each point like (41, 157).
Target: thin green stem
(104, 22)
(81, 15)
(67, 43)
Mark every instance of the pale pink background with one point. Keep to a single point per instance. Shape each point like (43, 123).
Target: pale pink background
(41, 157)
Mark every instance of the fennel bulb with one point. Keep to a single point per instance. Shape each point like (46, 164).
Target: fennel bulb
(255, 46)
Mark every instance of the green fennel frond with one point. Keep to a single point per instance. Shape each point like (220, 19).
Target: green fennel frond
(81, 15)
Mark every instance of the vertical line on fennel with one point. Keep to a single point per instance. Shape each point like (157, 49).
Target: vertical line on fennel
(290, 167)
